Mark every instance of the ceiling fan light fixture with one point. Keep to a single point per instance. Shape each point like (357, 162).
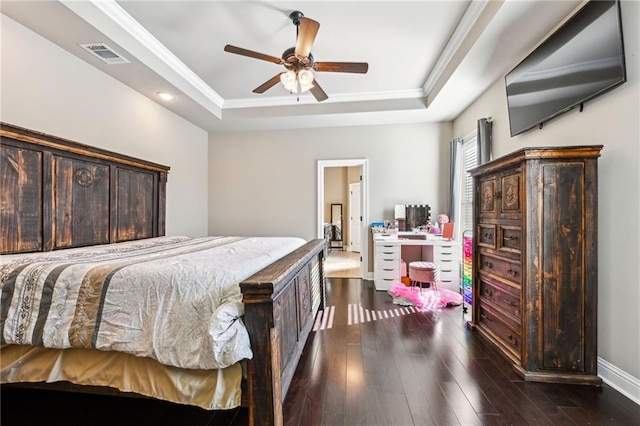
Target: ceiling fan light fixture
(289, 80)
(294, 80)
(305, 87)
(305, 77)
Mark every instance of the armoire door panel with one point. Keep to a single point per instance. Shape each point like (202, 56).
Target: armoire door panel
(487, 197)
(510, 195)
(563, 285)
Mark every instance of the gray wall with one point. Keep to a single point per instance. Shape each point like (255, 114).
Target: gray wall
(610, 120)
(264, 183)
(45, 88)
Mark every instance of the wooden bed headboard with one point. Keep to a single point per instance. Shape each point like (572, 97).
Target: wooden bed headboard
(56, 193)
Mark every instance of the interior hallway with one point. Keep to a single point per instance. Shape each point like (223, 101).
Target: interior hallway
(342, 264)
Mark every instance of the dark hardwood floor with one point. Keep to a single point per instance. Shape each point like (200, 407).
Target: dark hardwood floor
(422, 368)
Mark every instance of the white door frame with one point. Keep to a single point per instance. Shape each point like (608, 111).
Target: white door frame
(364, 243)
(354, 220)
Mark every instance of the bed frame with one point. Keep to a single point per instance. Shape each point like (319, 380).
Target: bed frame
(56, 193)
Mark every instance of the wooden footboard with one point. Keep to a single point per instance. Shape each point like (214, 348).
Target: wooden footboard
(280, 306)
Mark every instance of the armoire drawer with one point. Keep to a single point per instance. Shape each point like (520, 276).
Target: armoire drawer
(487, 235)
(501, 297)
(510, 238)
(503, 329)
(502, 267)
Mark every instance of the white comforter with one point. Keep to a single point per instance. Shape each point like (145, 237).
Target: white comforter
(174, 299)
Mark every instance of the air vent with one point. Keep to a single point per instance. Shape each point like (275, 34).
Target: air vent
(105, 53)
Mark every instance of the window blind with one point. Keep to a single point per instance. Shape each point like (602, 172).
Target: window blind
(469, 161)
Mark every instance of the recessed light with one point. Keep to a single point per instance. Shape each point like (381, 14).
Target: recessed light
(165, 96)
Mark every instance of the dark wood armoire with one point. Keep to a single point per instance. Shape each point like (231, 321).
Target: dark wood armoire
(535, 262)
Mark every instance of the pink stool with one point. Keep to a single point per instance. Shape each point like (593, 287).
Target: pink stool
(423, 273)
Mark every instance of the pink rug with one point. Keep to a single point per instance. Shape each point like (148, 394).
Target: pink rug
(427, 299)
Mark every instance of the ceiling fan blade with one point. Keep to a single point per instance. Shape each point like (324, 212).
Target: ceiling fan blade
(267, 84)
(317, 91)
(354, 67)
(250, 53)
(306, 35)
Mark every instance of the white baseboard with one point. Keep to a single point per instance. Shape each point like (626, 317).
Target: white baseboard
(620, 380)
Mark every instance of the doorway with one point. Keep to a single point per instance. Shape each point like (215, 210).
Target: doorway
(355, 217)
(360, 225)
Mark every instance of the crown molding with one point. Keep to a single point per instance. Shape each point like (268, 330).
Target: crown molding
(466, 24)
(307, 99)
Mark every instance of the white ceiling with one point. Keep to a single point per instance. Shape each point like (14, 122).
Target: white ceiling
(428, 60)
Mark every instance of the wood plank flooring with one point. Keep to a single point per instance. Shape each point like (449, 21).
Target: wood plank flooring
(410, 368)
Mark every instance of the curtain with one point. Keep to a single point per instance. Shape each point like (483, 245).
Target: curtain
(485, 131)
(454, 178)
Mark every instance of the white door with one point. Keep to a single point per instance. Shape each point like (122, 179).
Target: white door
(355, 216)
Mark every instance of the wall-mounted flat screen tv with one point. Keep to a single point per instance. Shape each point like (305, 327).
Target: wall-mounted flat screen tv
(581, 60)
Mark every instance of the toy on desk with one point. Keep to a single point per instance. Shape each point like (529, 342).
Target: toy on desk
(442, 219)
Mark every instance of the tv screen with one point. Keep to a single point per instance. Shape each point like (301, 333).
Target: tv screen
(581, 60)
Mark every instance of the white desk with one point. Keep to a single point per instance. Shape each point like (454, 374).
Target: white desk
(389, 250)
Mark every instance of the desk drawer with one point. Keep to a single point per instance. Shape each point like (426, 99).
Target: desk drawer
(391, 273)
(387, 252)
(448, 264)
(383, 284)
(386, 264)
(450, 280)
(446, 252)
(449, 275)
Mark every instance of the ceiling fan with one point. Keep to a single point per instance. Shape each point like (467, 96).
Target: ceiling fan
(299, 61)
